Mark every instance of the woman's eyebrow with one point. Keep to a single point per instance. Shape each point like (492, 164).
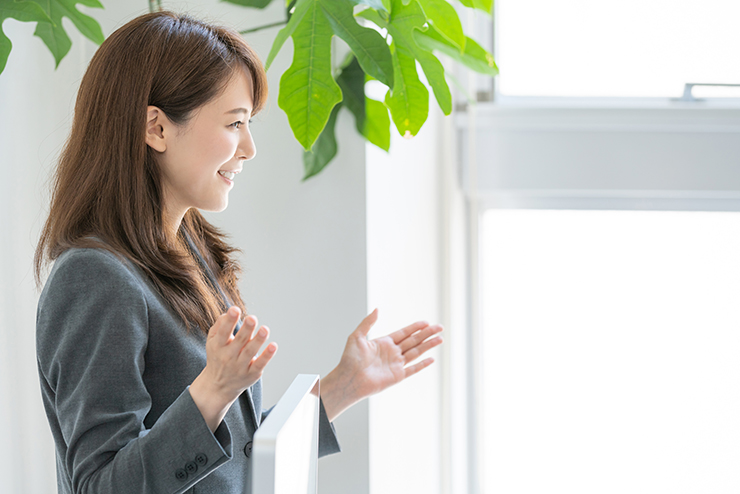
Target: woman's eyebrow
(238, 110)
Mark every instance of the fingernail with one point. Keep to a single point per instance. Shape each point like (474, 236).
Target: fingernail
(263, 333)
(234, 311)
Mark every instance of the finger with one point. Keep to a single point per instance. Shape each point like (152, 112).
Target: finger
(224, 325)
(418, 337)
(250, 349)
(259, 363)
(413, 369)
(364, 328)
(403, 333)
(420, 350)
(246, 332)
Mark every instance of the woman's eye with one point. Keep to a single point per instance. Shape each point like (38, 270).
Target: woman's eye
(239, 123)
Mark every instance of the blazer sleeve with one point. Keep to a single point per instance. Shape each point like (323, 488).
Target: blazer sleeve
(328, 442)
(92, 333)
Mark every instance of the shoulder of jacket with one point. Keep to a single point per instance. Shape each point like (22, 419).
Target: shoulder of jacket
(82, 266)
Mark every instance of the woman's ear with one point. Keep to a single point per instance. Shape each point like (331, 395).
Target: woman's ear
(157, 124)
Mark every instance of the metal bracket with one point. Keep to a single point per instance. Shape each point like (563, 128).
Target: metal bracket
(687, 96)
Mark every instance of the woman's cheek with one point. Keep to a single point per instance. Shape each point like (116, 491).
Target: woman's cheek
(227, 147)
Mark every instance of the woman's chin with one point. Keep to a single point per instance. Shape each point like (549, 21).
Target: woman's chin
(216, 208)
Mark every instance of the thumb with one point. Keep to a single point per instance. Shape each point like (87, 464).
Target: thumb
(367, 323)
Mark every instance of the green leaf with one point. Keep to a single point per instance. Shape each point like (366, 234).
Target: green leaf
(352, 82)
(367, 44)
(408, 101)
(20, 11)
(54, 35)
(257, 4)
(384, 5)
(377, 127)
(308, 91)
(374, 17)
(324, 149)
(371, 117)
(484, 5)
(403, 22)
(301, 7)
(443, 16)
(474, 56)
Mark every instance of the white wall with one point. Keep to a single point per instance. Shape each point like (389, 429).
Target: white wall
(306, 259)
(404, 268)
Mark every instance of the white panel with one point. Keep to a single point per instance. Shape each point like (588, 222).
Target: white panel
(613, 352)
(627, 48)
(403, 283)
(639, 153)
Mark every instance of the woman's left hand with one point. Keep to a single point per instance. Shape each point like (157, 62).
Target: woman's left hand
(370, 366)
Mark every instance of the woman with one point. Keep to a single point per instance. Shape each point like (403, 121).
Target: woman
(150, 375)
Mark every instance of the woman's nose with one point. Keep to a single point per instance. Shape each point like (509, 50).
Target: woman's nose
(246, 150)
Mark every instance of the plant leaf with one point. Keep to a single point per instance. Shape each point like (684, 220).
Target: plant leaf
(484, 5)
(383, 5)
(301, 7)
(377, 128)
(408, 101)
(20, 11)
(443, 17)
(368, 45)
(324, 149)
(352, 82)
(403, 22)
(371, 117)
(308, 91)
(373, 16)
(474, 56)
(257, 4)
(54, 35)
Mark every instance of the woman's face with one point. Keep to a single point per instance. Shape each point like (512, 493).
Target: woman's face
(199, 160)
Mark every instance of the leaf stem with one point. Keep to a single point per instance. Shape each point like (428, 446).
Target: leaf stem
(266, 26)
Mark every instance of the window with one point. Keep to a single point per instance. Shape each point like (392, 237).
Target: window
(612, 351)
(631, 48)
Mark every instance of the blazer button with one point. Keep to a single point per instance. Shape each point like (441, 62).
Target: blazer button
(201, 459)
(181, 475)
(191, 467)
(248, 449)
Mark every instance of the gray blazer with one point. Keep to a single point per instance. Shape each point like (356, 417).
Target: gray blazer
(115, 365)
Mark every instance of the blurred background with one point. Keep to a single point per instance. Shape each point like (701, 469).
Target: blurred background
(574, 224)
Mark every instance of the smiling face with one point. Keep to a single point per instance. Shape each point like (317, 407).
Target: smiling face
(199, 160)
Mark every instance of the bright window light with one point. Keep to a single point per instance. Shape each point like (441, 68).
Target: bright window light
(630, 48)
(612, 352)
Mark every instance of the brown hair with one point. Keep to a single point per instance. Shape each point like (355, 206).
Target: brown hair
(107, 191)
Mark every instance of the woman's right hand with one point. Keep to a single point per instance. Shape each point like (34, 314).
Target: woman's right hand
(232, 364)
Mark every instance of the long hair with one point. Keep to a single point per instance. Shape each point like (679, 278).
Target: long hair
(108, 191)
